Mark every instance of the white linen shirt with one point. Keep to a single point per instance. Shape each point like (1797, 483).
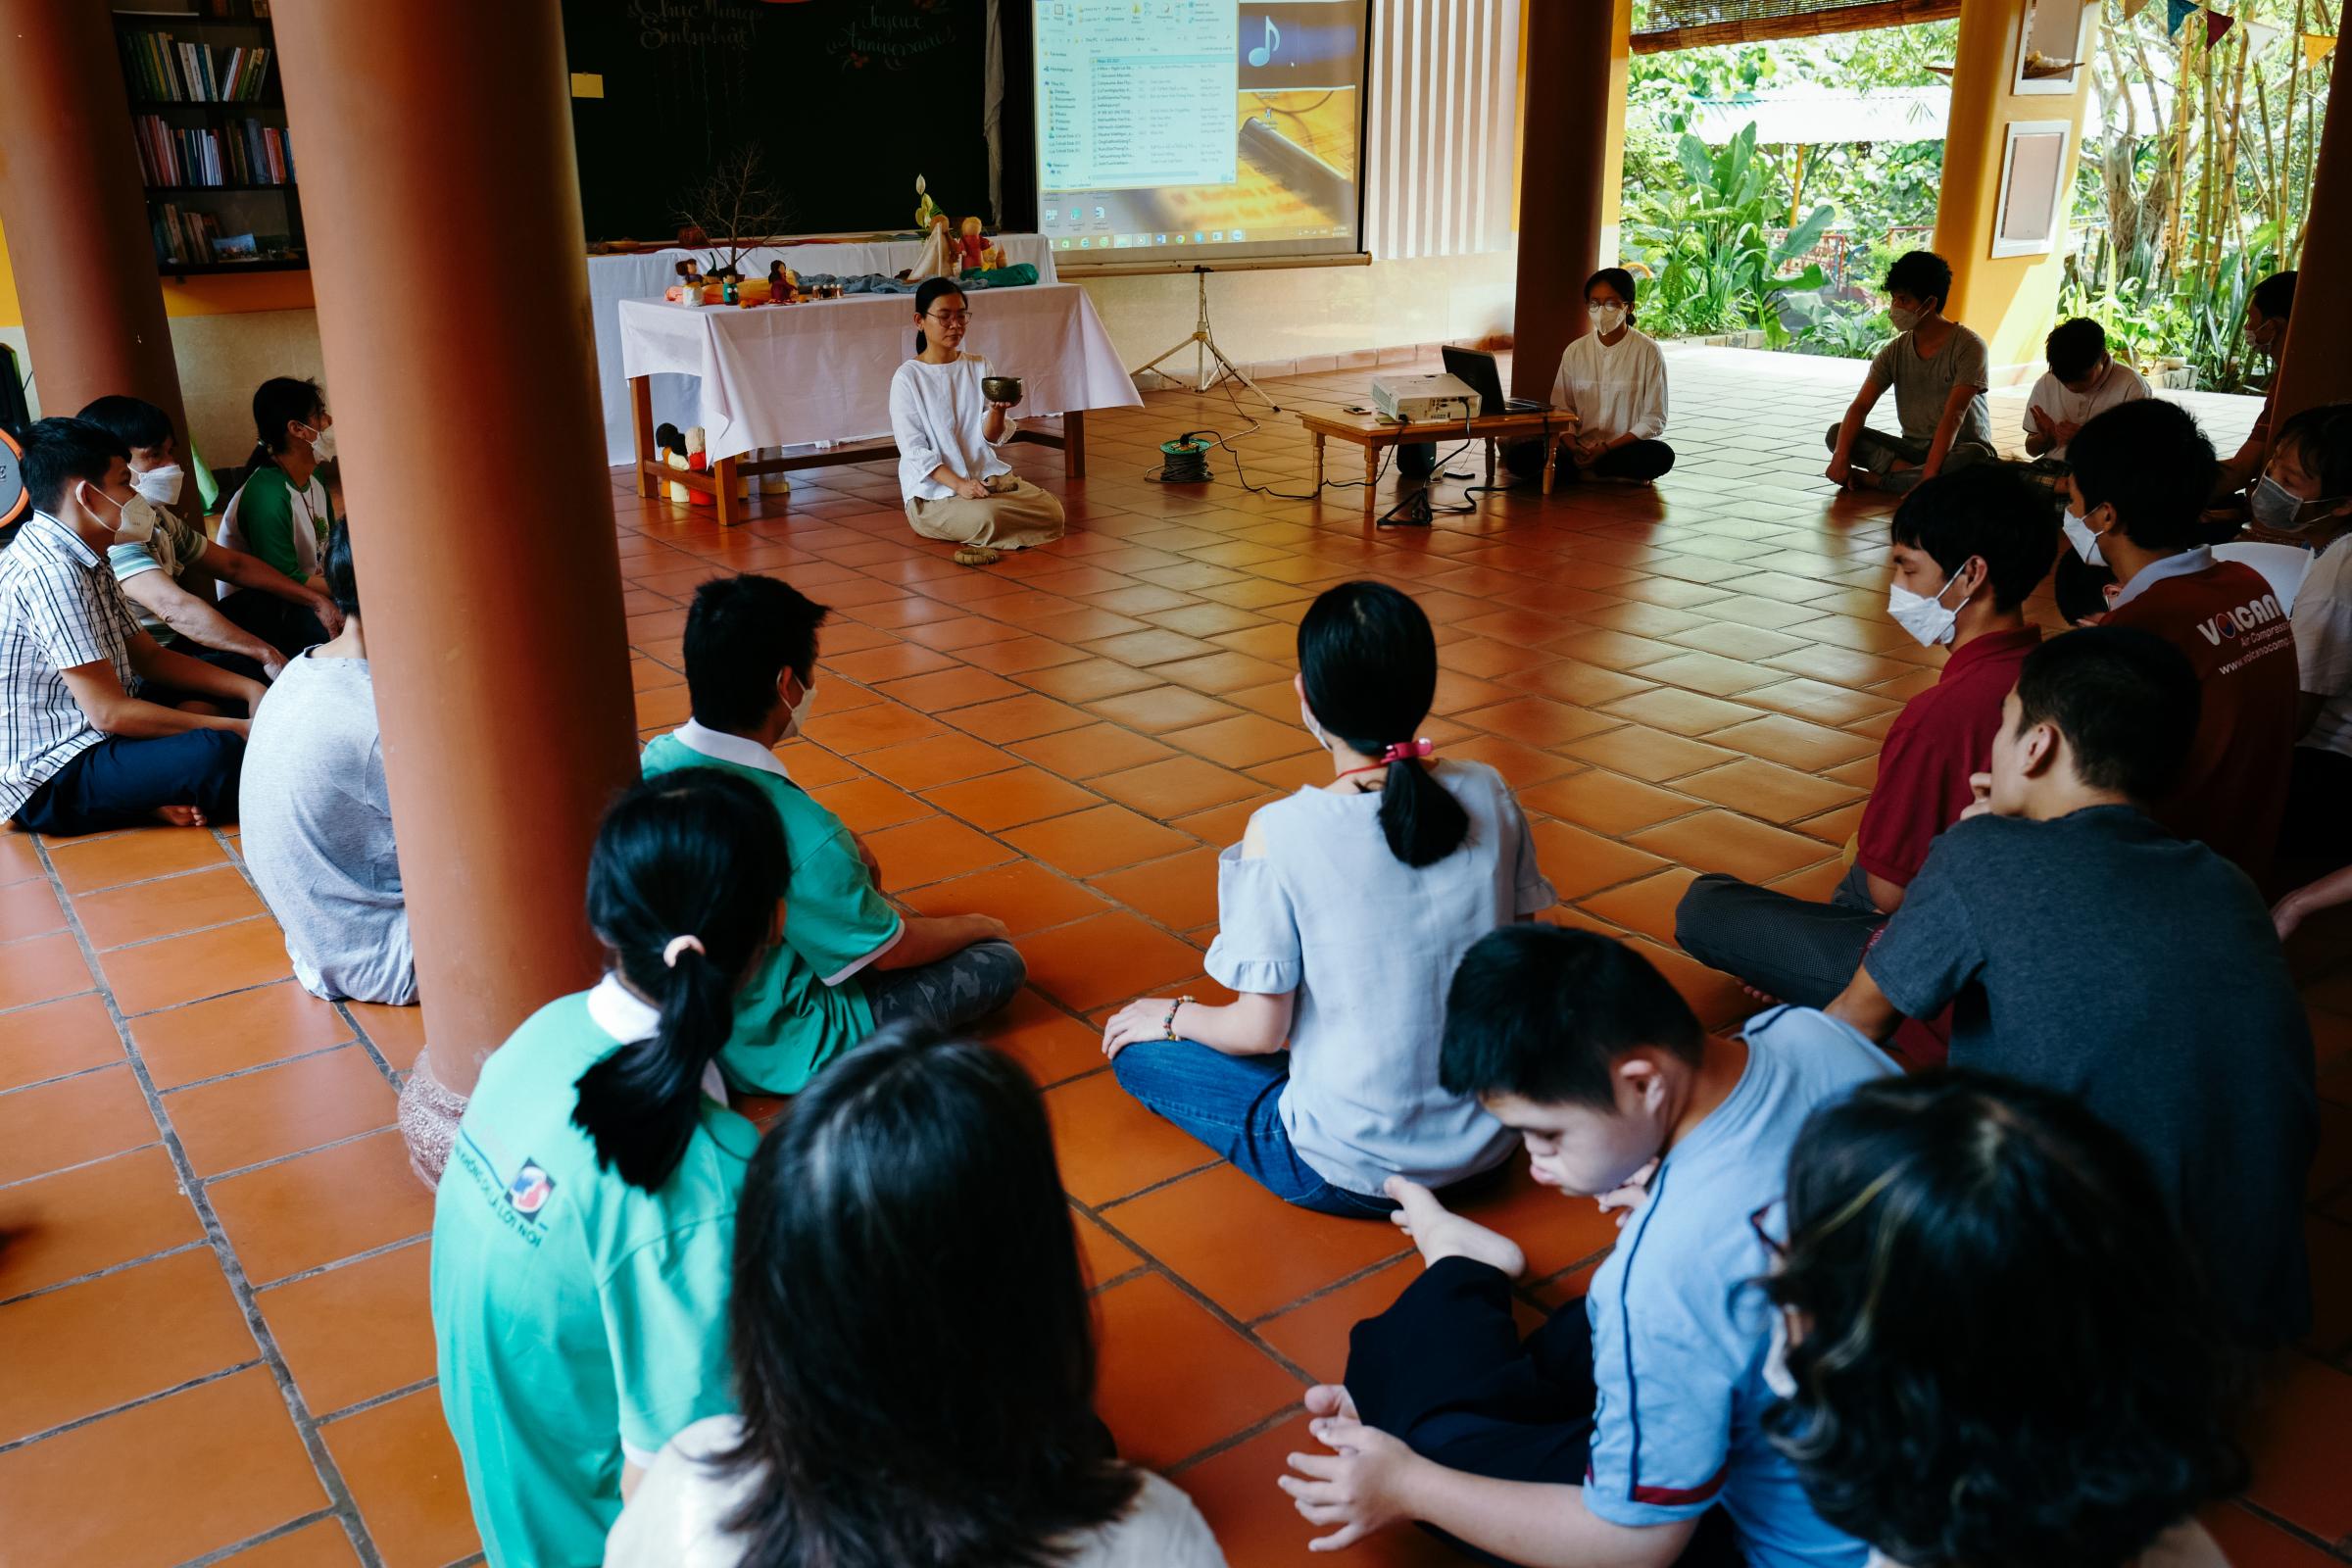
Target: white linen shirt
(2323, 622)
(2120, 385)
(1614, 390)
(937, 413)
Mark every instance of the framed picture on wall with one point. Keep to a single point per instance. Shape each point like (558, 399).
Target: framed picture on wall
(2053, 46)
(2032, 188)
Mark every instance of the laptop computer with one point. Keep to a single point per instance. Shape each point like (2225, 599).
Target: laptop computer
(1475, 369)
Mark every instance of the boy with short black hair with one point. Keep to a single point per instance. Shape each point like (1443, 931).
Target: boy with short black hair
(2083, 948)
(1938, 369)
(849, 962)
(1614, 1427)
(170, 575)
(2138, 478)
(2083, 381)
(83, 747)
(1968, 548)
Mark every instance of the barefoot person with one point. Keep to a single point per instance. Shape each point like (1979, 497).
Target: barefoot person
(958, 488)
(1607, 1434)
(83, 748)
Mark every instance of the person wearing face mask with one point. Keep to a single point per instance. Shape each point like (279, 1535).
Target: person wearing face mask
(956, 486)
(2083, 948)
(2268, 304)
(1340, 915)
(1968, 549)
(83, 746)
(2138, 477)
(849, 962)
(171, 576)
(1998, 1347)
(1613, 379)
(281, 512)
(1624, 1430)
(2083, 381)
(2306, 496)
(1939, 371)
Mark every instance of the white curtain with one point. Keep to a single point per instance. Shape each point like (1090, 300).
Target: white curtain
(1442, 136)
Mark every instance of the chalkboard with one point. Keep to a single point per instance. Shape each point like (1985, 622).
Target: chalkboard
(847, 100)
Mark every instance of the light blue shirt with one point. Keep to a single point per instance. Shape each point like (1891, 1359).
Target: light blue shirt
(1369, 944)
(1680, 1327)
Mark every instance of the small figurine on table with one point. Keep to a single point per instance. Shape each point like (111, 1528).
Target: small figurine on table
(971, 247)
(939, 252)
(780, 282)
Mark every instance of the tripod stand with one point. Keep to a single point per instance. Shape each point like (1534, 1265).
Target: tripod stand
(1204, 348)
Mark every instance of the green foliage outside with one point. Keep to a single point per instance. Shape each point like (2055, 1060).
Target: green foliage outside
(2180, 205)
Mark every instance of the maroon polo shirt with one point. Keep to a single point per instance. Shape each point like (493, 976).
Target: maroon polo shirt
(1939, 738)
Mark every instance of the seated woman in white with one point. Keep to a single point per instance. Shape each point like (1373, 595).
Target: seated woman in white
(958, 488)
(1613, 379)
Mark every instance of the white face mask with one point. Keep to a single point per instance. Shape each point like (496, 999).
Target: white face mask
(1924, 617)
(1904, 320)
(1777, 1377)
(1307, 716)
(1607, 318)
(800, 710)
(159, 485)
(2085, 543)
(136, 523)
(322, 445)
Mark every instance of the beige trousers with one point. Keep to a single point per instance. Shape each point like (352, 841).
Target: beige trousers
(1015, 515)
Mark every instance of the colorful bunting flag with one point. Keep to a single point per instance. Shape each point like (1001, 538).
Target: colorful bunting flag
(2176, 12)
(2259, 37)
(2133, 8)
(2215, 26)
(2317, 46)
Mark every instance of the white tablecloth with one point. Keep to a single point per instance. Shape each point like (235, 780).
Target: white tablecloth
(613, 278)
(783, 376)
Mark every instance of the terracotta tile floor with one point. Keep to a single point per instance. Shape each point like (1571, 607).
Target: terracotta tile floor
(213, 1259)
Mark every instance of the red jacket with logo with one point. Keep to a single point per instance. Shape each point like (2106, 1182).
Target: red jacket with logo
(2232, 791)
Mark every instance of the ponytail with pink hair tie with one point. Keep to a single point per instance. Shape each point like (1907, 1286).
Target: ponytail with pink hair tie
(1407, 751)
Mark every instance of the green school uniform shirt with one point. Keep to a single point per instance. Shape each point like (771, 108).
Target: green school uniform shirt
(579, 1320)
(266, 512)
(804, 1005)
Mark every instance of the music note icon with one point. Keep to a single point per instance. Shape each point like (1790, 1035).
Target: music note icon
(1263, 54)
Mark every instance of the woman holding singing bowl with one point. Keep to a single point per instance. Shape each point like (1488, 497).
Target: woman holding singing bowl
(950, 413)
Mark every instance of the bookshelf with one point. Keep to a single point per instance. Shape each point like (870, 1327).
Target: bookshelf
(209, 117)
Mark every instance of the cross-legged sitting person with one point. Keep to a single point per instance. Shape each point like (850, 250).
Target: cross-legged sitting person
(2083, 948)
(1939, 371)
(83, 745)
(170, 577)
(281, 512)
(1968, 548)
(2082, 381)
(1342, 911)
(317, 833)
(1613, 379)
(1604, 1436)
(956, 487)
(2137, 474)
(849, 962)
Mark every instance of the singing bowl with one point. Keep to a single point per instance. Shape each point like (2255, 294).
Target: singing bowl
(1000, 388)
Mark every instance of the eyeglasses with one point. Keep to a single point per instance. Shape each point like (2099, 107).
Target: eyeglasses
(947, 317)
(1755, 1222)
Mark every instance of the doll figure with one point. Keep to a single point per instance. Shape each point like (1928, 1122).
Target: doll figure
(971, 247)
(939, 252)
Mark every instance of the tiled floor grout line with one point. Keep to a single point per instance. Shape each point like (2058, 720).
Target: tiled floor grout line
(323, 1462)
(297, 1153)
(235, 1073)
(110, 1269)
(311, 1273)
(80, 1164)
(64, 1427)
(274, 1533)
(361, 1406)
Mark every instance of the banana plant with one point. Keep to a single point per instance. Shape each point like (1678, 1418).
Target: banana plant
(1709, 243)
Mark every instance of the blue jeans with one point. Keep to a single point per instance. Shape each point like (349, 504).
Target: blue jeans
(1233, 1105)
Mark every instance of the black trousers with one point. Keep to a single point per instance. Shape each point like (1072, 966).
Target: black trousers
(1793, 948)
(283, 624)
(120, 783)
(2315, 837)
(1640, 461)
(1446, 1371)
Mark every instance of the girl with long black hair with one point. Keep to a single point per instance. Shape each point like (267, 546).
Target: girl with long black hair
(956, 486)
(1999, 1347)
(912, 1352)
(1342, 916)
(282, 513)
(584, 1228)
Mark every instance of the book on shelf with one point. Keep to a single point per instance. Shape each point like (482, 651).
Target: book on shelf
(167, 70)
(189, 238)
(243, 152)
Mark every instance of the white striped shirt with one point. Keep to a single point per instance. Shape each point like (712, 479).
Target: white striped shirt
(59, 609)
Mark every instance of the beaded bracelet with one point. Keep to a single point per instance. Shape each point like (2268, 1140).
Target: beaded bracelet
(1167, 1025)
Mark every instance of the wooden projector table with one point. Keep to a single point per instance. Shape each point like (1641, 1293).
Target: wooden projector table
(1375, 434)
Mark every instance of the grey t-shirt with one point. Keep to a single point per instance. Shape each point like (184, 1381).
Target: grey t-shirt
(1922, 385)
(1369, 944)
(2099, 955)
(317, 832)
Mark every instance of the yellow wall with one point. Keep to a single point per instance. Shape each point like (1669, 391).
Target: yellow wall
(2009, 301)
(1612, 188)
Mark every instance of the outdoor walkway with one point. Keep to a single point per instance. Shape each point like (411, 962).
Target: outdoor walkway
(213, 1266)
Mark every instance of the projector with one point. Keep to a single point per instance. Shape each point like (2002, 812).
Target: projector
(1422, 398)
